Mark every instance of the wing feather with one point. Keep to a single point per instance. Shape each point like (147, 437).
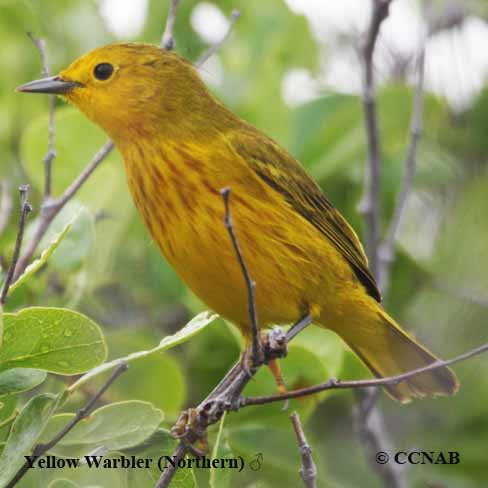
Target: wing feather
(284, 174)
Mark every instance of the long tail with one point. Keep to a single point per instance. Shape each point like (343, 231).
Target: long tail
(387, 350)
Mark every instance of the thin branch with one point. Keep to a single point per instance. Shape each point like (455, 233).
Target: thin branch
(215, 47)
(296, 328)
(178, 454)
(308, 470)
(224, 398)
(41, 449)
(5, 206)
(168, 40)
(25, 208)
(335, 384)
(99, 156)
(369, 425)
(193, 423)
(370, 203)
(387, 249)
(51, 208)
(51, 153)
(250, 283)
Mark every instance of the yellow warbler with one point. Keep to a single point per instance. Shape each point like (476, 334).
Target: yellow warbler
(181, 146)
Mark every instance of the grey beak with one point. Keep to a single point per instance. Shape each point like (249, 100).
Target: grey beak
(53, 84)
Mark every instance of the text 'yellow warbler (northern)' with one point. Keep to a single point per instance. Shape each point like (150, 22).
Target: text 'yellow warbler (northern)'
(181, 146)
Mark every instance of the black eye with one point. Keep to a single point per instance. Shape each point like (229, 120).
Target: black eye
(103, 71)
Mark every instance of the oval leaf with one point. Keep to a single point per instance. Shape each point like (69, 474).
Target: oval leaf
(51, 339)
(63, 483)
(196, 325)
(24, 434)
(220, 478)
(45, 255)
(115, 426)
(20, 379)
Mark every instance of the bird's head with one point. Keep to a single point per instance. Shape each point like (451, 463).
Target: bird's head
(130, 89)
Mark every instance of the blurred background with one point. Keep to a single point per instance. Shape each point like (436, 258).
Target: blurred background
(290, 68)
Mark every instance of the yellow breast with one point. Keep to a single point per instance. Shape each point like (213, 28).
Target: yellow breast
(177, 191)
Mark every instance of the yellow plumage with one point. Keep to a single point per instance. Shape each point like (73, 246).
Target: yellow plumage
(180, 147)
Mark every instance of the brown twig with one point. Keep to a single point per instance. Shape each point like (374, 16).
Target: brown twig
(25, 208)
(192, 425)
(215, 47)
(51, 153)
(335, 384)
(41, 449)
(387, 249)
(250, 283)
(308, 470)
(370, 202)
(168, 40)
(51, 208)
(369, 425)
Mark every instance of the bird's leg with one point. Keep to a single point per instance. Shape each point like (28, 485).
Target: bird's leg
(275, 368)
(275, 347)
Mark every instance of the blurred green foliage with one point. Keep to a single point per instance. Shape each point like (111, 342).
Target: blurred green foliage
(107, 267)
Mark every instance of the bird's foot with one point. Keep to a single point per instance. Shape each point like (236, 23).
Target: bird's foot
(274, 344)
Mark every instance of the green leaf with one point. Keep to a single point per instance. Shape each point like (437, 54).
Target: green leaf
(196, 325)
(76, 241)
(159, 444)
(220, 478)
(171, 390)
(20, 379)
(24, 434)
(8, 409)
(63, 483)
(51, 339)
(115, 426)
(45, 255)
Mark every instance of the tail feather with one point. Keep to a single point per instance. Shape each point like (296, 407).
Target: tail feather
(387, 350)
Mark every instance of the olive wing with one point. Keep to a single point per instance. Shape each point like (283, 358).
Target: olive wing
(284, 174)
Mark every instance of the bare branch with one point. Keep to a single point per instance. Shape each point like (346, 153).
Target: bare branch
(335, 384)
(52, 207)
(51, 153)
(370, 203)
(250, 283)
(178, 454)
(296, 328)
(41, 449)
(215, 47)
(192, 424)
(99, 156)
(369, 425)
(25, 208)
(168, 40)
(308, 470)
(387, 249)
